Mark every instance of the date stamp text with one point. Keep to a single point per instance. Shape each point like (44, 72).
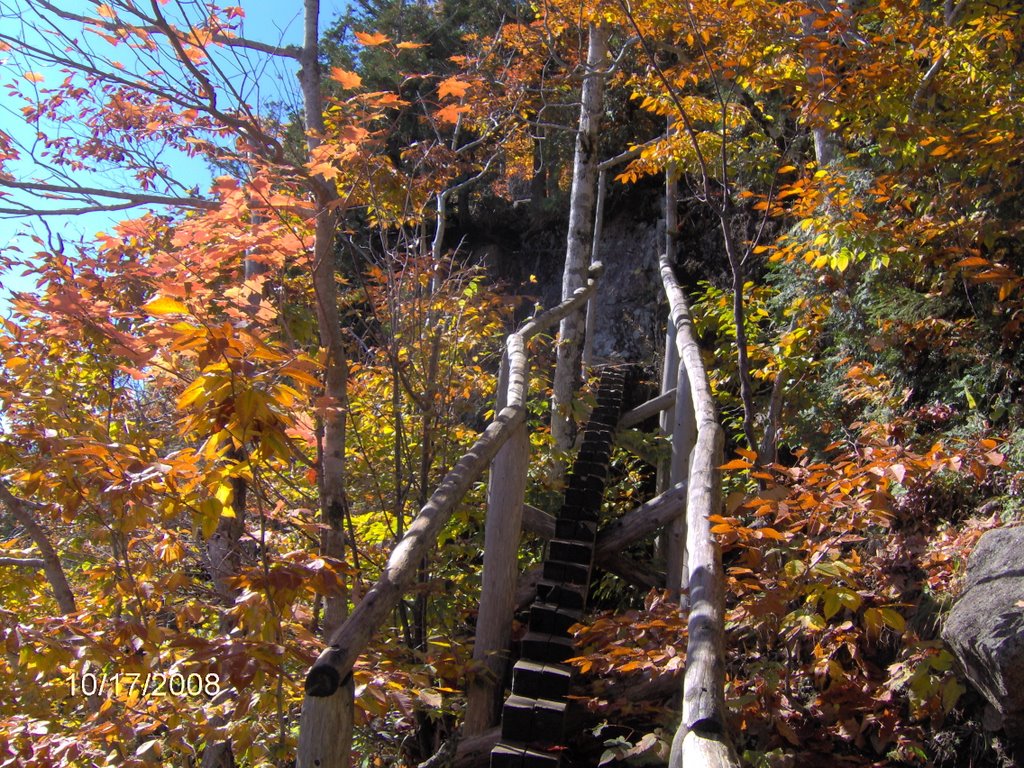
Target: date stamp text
(93, 682)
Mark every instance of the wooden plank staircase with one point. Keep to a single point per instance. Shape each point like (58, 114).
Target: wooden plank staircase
(533, 718)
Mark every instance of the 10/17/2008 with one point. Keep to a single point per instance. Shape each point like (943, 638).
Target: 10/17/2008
(193, 685)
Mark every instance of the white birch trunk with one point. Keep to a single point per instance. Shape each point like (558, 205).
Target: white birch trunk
(577, 255)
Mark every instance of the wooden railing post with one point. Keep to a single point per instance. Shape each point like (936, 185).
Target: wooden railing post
(506, 494)
(669, 375)
(684, 436)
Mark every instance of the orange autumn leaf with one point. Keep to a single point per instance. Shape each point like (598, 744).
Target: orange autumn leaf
(450, 114)
(736, 464)
(345, 78)
(405, 46)
(352, 133)
(371, 38)
(452, 87)
(33, 77)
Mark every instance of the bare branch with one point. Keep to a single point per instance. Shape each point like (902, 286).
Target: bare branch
(629, 154)
(89, 196)
(22, 511)
(23, 562)
(288, 51)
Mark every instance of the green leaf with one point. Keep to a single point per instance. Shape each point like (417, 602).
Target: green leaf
(832, 603)
(893, 619)
(971, 403)
(951, 693)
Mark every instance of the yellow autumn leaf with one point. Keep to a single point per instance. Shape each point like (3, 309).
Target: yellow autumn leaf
(224, 494)
(409, 46)
(893, 619)
(163, 305)
(33, 77)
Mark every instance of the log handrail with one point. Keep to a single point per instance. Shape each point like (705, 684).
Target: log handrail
(701, 740)
(646, 410)
(335, 663)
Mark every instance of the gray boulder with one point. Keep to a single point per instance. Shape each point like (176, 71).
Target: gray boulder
(985, 629)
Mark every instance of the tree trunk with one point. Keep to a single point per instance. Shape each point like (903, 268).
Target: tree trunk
(578, 246)
(325, 737)
(592, 305)
(218, 755)
(223, 552)
(666, 420)
(680, 419)
(539, 179)
(825, 145)
(321, 742)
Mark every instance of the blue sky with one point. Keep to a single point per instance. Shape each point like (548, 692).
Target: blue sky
(277, 23)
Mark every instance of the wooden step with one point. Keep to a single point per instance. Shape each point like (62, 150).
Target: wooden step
(597, 452)
(512, 755)
(571, 573)
(576, 530)
(588, 484)
(540, 680)
(532, 721)
(553, 618)
(535, 759)
(565, 595)
(605, 418)
(598, 442)
(573, 511)
(570, 551)
(547, 647)
(588, 469)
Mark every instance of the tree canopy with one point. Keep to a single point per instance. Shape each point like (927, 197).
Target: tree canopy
(222, 413)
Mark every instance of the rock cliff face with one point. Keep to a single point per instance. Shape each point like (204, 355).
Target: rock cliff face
(517, 243)
(985, 629)
(630, 324)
